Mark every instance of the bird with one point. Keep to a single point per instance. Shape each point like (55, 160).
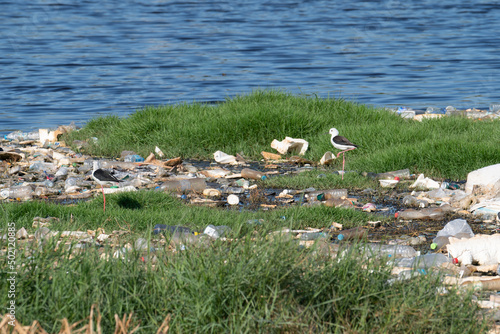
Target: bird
(341, 143)
(103, 177)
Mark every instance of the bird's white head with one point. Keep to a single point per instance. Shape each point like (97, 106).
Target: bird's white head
(334, 132)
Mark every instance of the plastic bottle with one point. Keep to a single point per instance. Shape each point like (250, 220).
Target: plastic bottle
(248, 173)
(337, 202)
(234, 190)
(19, 135)
(353, 234)
(141, 244)
(44, 191)
(70, 182)
(133, 158)
(402, 174)
(63, 171)
(21, 192)
(39, 166)
(393, 251)
(194, 184)
(327, 194)
(48, 184)
(424, 261)
(428, 213)
(216, 231)
(439, 242)
(314, 236)
(159, 228)
(412, 201)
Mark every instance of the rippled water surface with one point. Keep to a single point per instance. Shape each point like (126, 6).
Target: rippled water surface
(66, 61)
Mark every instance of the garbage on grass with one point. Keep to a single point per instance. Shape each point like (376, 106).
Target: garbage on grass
(290, 145)
(486, 179)
(224, 158)
(483, 249)
(327, 158)
(424, 183)
(388, 183)
(457, 228)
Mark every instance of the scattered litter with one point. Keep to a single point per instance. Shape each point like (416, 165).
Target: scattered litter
(483, 249)
(327, 158)
(224, 158)
(290, 145)
(424, 183)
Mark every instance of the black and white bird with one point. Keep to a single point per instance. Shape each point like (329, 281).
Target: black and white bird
(103, 178)
(341, 143)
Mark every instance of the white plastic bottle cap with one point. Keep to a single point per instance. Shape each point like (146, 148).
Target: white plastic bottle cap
(233, 199)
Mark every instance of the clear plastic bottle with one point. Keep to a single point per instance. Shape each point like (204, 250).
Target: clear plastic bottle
(216, 231)
(19, 135)
(71, 182)
(63, 171)
(314, 236)
(424, 261)
(428, 213)
(412, 201)
(161, 228)
(392, 251)
(325, 195)
(39, 166)
(194, 184)
(352, 234)
(248, 173)
(17, 192)
(439, 242)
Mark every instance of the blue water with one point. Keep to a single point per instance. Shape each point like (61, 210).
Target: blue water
(66, 61)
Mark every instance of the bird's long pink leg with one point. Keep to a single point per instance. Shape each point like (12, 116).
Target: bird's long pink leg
(104, 197)
(338, 155)
(343, 159)
(343, 164)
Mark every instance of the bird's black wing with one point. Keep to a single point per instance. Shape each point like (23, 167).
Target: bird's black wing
(105, 176)
(343, 141)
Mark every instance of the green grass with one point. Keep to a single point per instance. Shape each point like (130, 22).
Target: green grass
(255, 285)
(140, 211)
(449, 147)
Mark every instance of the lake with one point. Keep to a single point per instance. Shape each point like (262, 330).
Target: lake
(65, 61)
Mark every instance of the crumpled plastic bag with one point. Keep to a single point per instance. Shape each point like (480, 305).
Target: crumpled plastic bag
(224, 158)
(424, 183)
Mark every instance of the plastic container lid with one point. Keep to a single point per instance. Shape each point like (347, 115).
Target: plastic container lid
(233, 199)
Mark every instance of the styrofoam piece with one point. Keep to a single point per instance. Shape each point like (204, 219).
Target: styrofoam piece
(485, 177)
(327, 158)
(224, 158)
(289, 145)
(424, 183)
(46, 135)
(484, 249)
(388, 183)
